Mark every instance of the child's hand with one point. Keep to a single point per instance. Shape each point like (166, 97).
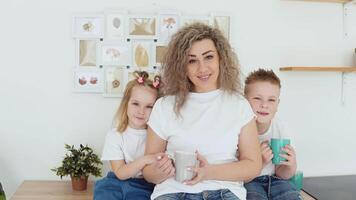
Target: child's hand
(267, 154)
(164, 164)
(290, 156)
(200, 171)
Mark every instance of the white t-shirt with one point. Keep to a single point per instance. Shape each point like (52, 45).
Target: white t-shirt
(210, 123)
(127, 146)
(276, 130)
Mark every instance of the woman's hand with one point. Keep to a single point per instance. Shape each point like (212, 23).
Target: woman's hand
(290, 156)
(200, 171)
(267, 154)
(164, 165)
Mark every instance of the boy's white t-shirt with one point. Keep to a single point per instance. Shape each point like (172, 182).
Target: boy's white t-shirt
(276, 130)
(127, 146)
(210, 123)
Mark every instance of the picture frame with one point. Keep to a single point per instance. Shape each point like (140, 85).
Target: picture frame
(114, 53)
(142, 27)
(222, 22)
(187, 20)
(86, 52)
(116, 24)
(88, 81)
(88, 25)
(142, 56)
(168, 24)
(115, 81)
(159, 49)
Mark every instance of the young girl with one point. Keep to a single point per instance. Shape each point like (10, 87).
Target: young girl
(124, 146)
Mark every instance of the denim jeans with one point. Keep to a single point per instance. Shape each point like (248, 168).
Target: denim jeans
(112, 188)
(271, 187)
(223, 194)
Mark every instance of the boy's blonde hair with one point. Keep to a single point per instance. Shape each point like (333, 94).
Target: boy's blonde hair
(175, 79)
(121, 119)
(262, 75)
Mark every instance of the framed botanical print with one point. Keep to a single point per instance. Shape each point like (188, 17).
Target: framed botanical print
(187, 20)
(159, 52)
(168, 25)
(114, 53)
(142, 27)
(86, 52)
(116, 25)
(142, 54)
(88, 80)
(115, 81)
(222, 22)
(88, 26)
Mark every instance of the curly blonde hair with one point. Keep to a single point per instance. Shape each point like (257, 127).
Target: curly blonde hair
(121, 120)
(174, 71)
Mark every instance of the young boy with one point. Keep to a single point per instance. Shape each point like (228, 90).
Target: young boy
(262, 90)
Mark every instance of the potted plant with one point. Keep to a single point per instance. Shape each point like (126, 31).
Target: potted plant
(79, 164)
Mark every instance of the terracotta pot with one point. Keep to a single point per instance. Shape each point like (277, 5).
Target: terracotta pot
(79, 183)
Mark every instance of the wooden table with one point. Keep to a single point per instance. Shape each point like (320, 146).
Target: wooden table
(48, 190)
(62, 190)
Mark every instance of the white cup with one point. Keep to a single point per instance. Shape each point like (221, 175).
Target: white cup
(182, 161)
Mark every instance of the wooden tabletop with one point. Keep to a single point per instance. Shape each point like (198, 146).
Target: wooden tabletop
(48, 190)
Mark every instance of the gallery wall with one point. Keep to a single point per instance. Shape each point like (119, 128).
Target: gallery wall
(39, 111)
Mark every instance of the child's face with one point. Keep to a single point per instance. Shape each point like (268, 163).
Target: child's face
(264, 99)
(140, 106)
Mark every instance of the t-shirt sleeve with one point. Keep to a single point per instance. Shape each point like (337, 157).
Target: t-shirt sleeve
(157, 119)
(113, 146)
(247, 113)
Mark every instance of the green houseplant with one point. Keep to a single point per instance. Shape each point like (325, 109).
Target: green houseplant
(79, 164)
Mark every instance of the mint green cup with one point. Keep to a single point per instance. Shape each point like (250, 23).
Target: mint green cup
(297, 180)
(276, 145)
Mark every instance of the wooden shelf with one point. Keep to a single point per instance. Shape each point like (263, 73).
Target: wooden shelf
(327, 1)
(323, 69)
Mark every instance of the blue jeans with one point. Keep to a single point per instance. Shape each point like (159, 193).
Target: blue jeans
(223, 194)
(112, 188)
(271, 187)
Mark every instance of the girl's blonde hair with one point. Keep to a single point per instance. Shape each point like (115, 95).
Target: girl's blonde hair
(174, 72)
(121, 120)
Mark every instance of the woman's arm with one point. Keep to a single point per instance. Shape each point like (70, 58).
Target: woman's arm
(248, 166)
(125, 171)
(162, 169)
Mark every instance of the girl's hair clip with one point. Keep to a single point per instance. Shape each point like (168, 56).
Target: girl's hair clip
(156, 82)
(140, 79)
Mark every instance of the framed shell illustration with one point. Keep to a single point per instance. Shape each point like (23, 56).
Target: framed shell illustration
(142, 53)
(88, 80)
(88, 26)
(142, 27)
(86, 52)
(116, 23)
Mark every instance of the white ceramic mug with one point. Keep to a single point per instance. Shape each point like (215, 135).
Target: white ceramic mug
(182, 161)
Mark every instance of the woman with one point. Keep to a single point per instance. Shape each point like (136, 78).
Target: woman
(202, 112)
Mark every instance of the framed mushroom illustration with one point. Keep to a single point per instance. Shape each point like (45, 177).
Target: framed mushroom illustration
(115, 81)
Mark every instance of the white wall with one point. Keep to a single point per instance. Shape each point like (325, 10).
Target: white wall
(39, 113)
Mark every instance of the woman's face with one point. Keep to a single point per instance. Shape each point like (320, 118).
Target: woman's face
(203, 66)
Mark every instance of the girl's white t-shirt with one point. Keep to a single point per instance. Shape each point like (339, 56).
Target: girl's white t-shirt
(127, 146)
(208, 122)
